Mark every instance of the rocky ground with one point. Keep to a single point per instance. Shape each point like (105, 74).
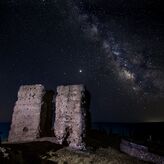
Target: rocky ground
(100, 150)
(64, 156)
(100, 156)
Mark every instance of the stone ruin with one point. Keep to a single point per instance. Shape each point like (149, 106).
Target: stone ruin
(140, 152)
(70, 116)
(31, 118)
(33, 114)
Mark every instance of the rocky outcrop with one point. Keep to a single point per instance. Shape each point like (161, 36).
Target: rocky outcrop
(31, 113)
(70, 116)
(140, 151)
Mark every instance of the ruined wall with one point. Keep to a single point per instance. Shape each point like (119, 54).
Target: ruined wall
(140, 151)
(29, 114)
(32, 115)
(70, 116)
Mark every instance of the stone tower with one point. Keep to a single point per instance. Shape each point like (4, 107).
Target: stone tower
(31, 114)
(70, 116)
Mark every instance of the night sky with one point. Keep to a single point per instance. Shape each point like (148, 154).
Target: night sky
(115, 48)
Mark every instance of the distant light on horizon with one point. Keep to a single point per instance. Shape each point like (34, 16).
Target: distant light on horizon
(154, 120)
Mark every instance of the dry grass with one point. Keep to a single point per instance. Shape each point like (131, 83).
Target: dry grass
(99, 156)
(101, 149)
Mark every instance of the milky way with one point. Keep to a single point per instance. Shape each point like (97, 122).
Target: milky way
(134, 67)
(115, 48)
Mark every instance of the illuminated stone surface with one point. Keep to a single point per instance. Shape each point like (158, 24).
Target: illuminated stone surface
(140, 151)
(30, 114)
(70, 120)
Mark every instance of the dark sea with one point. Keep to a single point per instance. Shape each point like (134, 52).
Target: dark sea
(141, 131)
(4, 130)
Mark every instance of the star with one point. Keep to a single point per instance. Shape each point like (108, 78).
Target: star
(80, 70)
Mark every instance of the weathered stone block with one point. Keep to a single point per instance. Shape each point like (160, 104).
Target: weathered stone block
(32, 112)
(70, 116)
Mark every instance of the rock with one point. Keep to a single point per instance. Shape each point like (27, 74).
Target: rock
(31, 114)
(70, 116)
(3, 153)
(140, 152)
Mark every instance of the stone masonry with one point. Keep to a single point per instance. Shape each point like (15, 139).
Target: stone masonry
(33, 115)
(29, 116)
(70, 116)
(140, 151)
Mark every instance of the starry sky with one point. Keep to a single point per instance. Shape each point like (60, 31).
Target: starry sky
(115, 48)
